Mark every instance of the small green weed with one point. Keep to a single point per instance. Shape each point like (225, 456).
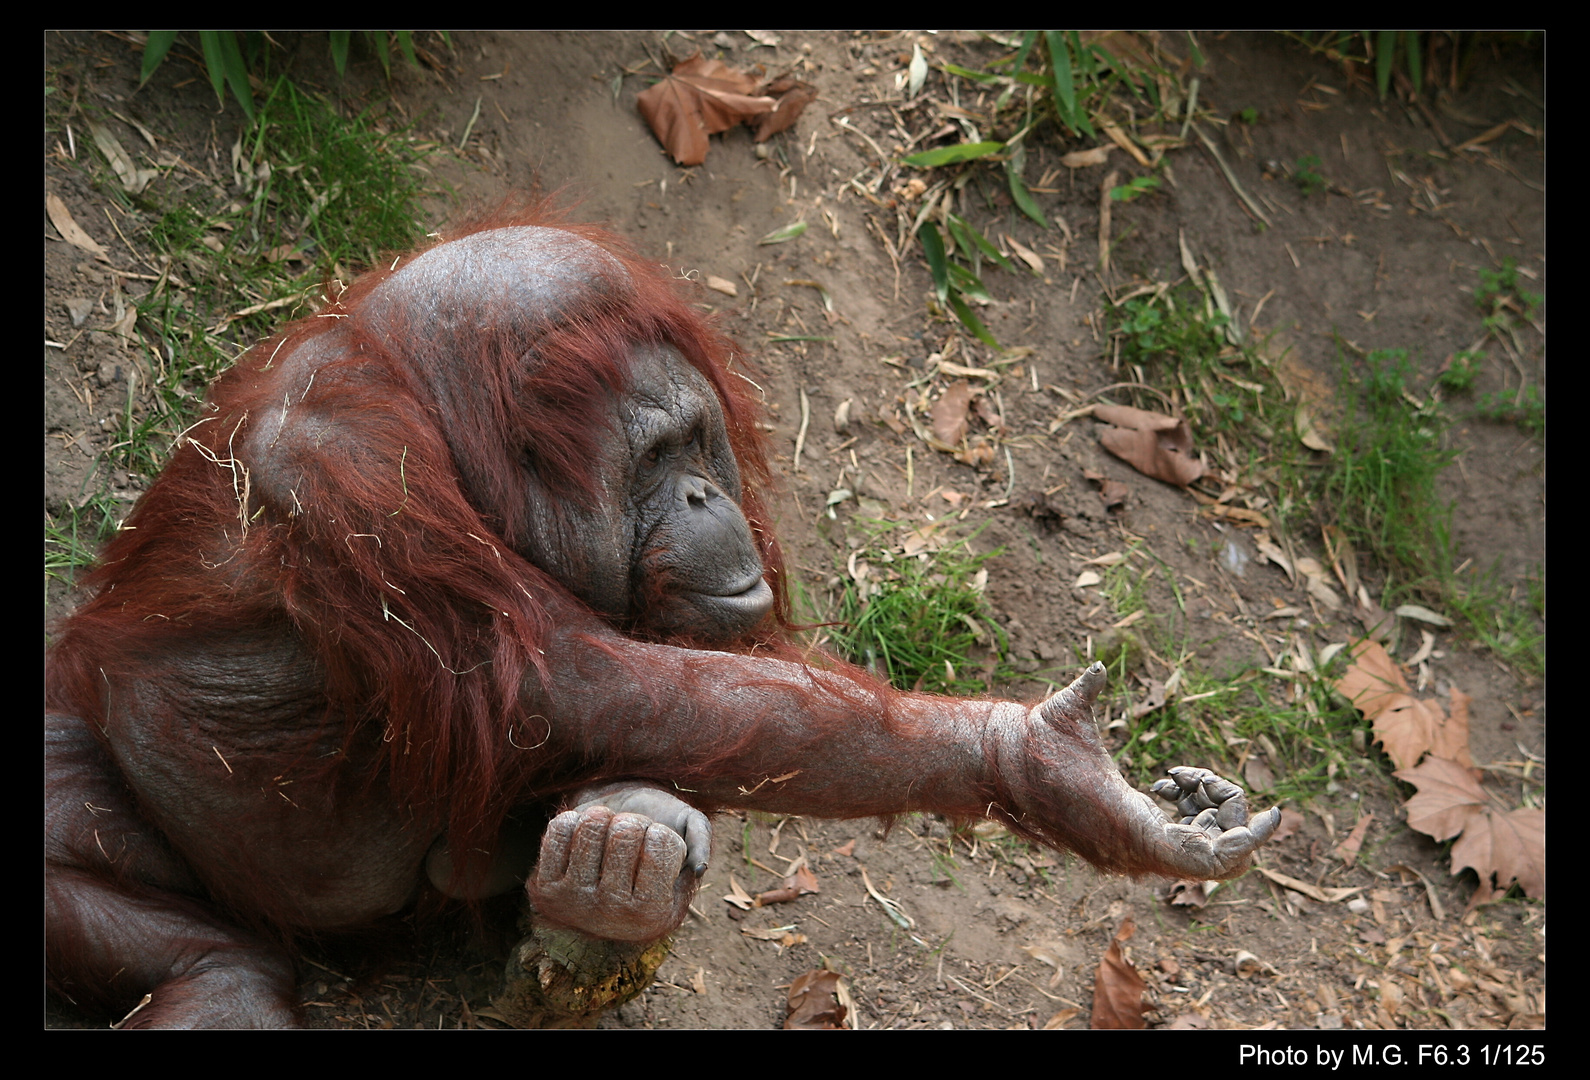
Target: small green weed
(1500, 299)
(1510, 625)
(1140, 185)
(1249, 116)
(1178, 341)
(1305, 174)
(1460, 373)
(1526, 409)
(916, 619)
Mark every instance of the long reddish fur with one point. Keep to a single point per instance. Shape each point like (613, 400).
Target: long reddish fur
(204, 554)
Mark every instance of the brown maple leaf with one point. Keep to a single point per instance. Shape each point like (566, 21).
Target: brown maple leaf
(702, 97)
(1404, 725)
(1450, 803)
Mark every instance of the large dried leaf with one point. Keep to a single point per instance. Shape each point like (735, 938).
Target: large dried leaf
(950, 414)
(1405, 726)
(816, 1002)
(1118, 988)
(702, 97)
(1152, 443)
(1450, 803)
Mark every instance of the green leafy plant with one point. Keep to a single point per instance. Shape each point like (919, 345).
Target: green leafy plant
(1070, 79)
(1140, 185)
(231, 56)
(954, 280)
(1461, 372)
(916, 619)
(1499, 297)
(1526, 409)
(1306, 174)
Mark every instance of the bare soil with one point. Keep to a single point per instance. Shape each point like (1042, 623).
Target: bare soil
(1003, 935)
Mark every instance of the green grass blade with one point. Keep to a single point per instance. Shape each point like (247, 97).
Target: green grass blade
(155, 49)
(984, 77)
(970, 320)
(1410, 40)
(405, 40)
(1060, 81)
(214, 61)
(981, 241)
(340, 40)
(946, 155)
(938, 263)
(237, 73)
(1385, 52)
(1018, 187)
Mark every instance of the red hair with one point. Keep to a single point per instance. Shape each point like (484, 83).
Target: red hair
(389, 548)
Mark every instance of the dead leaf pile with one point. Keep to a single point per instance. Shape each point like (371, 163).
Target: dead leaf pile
(1450, 802)
(702, 97)
(1152, 443)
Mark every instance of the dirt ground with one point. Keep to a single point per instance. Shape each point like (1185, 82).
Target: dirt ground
(1003, 936)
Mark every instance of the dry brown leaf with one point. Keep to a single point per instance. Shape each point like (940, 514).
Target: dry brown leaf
(1511, 846)
(793, 96)
(1081, 159)
(69, 229)
(950, 413)
(738, 896)
(1118, 988)
(1347, 850)
(815, 1002)
(702, 97)
(1404, 725)
(1152, 443)
(1113, 492)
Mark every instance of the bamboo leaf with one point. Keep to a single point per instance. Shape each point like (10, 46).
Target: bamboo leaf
(970, 320)
(340, 40)
(155, 49)
(945, 155)
(1018, 187)
(1385, 51)
(938, 264)
(982, 242)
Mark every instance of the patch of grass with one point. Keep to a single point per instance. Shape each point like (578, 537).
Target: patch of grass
(324, 193)
(1526, 409)
(1294, 726)
(1510, 621)
(1460, 373)
(72, 540)
(1176, 340)
(1503, 304)
(1380, 484)
(916, 619)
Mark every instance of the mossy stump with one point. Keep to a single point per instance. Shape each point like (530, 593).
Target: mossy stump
(560, 978)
